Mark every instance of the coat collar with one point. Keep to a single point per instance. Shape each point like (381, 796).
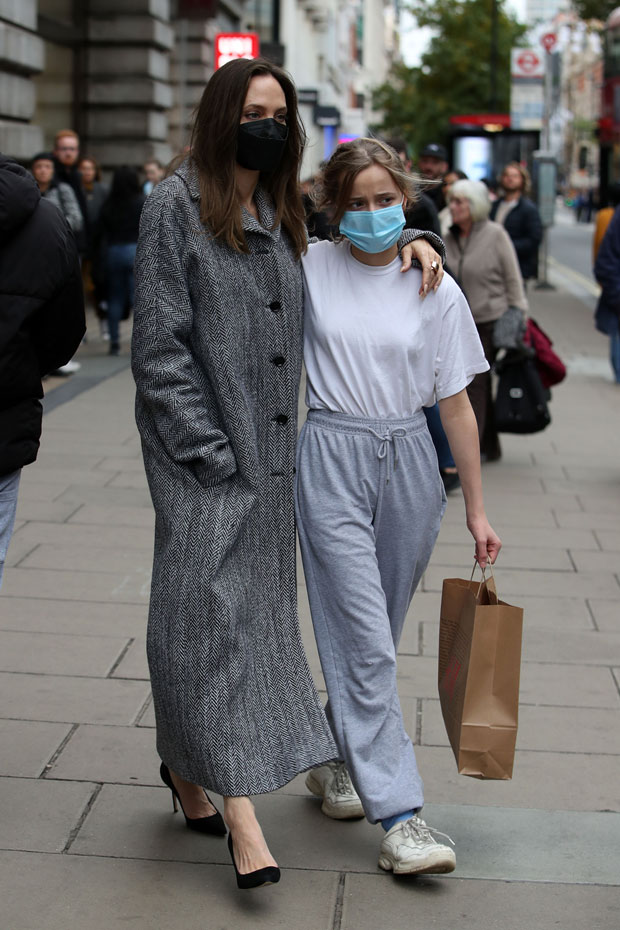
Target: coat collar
(266, 209)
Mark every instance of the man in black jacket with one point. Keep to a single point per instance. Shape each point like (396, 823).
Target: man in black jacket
(41, 321)
(520, 217)
(422, 214)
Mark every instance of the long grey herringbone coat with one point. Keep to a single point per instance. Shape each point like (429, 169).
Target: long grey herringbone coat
(216, 355)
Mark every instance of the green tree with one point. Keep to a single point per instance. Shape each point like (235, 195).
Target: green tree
(457, 74)
(595, 9)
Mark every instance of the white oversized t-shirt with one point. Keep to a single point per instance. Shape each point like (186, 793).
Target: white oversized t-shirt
(372, 347)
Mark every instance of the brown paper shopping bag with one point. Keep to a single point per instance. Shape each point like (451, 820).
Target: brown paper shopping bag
(479, 666)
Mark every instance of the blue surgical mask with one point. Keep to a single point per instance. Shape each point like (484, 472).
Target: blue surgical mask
(373, 230)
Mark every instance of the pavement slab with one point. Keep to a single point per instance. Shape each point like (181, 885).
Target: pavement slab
(40, 815)
(551, 729)
(131, 586)
(579, 847)
(127, 479)
(124, 463)
(131, 822)
(110, 496)
(67, 699)
(18, 550)
(567, 685)
(110, 754)
(609, 540)
(59, 653)
(133, 665)
(87, 559)
(40, 615)
(544, 584)
(39, 491)
(26, 746)
(532, 557)
(56, 511)
(61, 892)
(84, 537)
(606, 614)
(147, 715)
(573, 647)
(63, 477)
(120, 516)
(138, 823)
(543, 780)
(48, 458)
(587, 561)
(596, 521)
(521, 536)
(475, 905)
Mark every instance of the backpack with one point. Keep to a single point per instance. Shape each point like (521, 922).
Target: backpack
(521, 400)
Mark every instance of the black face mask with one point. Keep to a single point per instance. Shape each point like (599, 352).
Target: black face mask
(261, 144)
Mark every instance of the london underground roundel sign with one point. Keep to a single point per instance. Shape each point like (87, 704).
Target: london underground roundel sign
(528, 61)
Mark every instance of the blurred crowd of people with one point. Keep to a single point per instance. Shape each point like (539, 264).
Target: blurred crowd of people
(104, 220)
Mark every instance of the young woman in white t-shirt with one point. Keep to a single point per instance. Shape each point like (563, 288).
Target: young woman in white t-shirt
(369, 497)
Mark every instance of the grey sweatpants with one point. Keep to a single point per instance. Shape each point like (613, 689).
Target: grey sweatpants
(369, 502)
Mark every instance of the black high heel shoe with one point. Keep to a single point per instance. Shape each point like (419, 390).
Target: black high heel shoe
(267, 876)
(213, 824)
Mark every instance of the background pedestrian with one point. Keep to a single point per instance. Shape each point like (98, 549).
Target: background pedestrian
(120, 225)
(41, 322)
(154, 171)
(57, 192)
(432, 165)
(93, 266)
(445, 216)
(607, 273)
(519, 216)
(482, 258)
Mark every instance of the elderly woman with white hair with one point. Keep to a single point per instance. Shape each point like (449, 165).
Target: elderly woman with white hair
(481, 256)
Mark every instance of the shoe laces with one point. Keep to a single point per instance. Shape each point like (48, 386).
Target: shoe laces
(342, 780)
(417, 829)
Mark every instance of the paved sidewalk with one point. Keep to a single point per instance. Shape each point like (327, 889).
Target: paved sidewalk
(87, 834)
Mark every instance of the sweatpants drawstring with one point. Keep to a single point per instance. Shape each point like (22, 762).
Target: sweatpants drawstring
(388, 441)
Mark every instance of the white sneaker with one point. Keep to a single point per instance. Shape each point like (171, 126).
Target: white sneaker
(333, 783)
(68, 369)
(409, 848)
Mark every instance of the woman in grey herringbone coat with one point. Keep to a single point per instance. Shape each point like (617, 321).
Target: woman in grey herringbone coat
(217, 347)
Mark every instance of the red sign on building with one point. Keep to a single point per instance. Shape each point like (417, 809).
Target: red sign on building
(231, 45)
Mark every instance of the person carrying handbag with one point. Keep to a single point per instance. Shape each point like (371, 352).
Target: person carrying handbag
(484, 262)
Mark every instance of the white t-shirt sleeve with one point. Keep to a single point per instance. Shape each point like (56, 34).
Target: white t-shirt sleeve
(460, 355)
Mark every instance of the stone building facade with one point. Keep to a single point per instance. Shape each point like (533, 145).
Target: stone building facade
(127, 74)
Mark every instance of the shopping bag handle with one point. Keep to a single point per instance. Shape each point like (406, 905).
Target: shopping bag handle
(483, 569)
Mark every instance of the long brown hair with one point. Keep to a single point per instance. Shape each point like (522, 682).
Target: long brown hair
(214, 149)
(333, 188)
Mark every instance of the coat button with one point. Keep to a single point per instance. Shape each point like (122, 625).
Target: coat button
(278, 360)
(275, 306)
(281, 418)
